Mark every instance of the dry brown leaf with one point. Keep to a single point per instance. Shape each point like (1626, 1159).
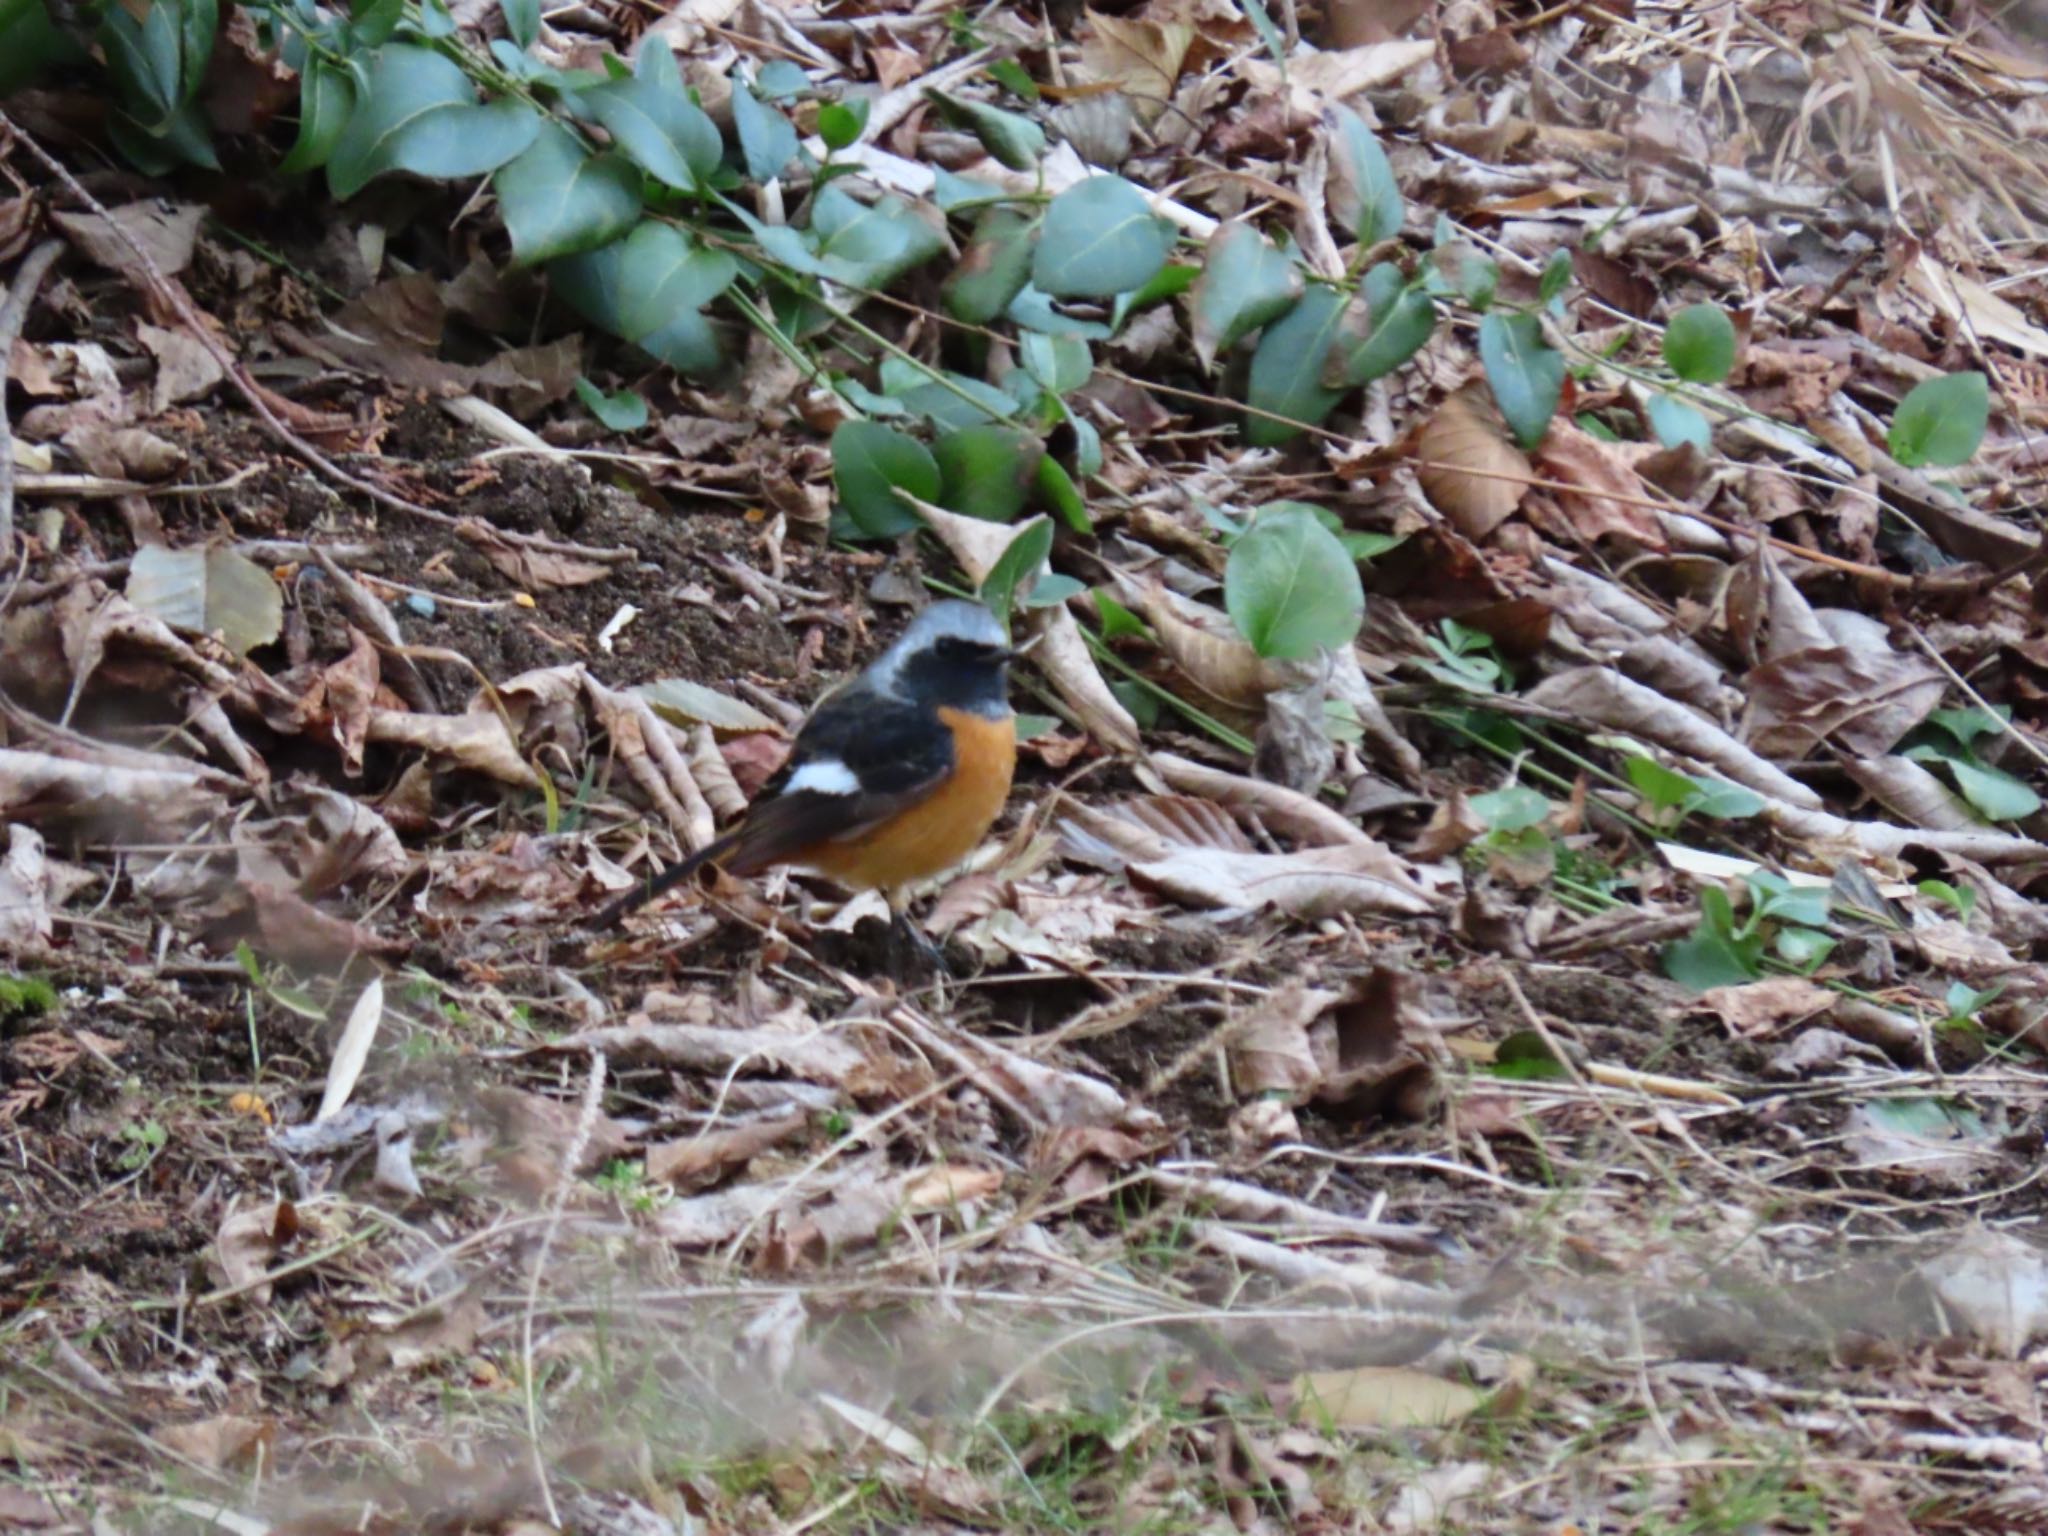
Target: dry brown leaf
(1467, 467)
(166, 231)
(1863, 698)
(1352, 878)
(25, 921)
(1143, 57)
(535, 570)
(1600, 503)
(695, 1161)
(185, 367)
(246, 1244)
(1602, 697)
(1212, 656)
(218, 1442)
(1269, 1047)
(815, 1055)
(1759, 1008)
(1383, 1397)
(1277, 807)
(477, 741)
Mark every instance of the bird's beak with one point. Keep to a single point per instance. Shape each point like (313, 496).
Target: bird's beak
(1016, 652)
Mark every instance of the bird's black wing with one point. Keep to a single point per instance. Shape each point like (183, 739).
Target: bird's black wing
(897, 751)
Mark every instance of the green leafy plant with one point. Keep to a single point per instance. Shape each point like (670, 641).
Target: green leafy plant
(1515, 818)
(141, 1141)
(1941, 421)
(1949, 738)
(1466, 658)
(25, 997)
(1699, 348)
(1784, 921)
(1290, 586)
(1963, 1003)
(1671, 796)
(1962, 900)
(624, 411)
(626, 1181)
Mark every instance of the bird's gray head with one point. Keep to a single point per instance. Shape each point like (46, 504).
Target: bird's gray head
(953, 654)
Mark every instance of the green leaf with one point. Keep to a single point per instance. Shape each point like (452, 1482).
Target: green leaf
(987, 471)
(1527, 376)
(780, 79)
(435, 20)
(869, 245)
(1060, 364)
(1526, 1057)
(1287, 369)
(1726, 802)
(1014, 78)
(1245, 282)
(1699, 344)
(1022, 559)
(1660, 786)
(1677, 423)
(1169, 282)
(1995, 794)
(1014, 140)
(650, 289)
(665, 133)
(1967, 725)
(1557, 274)
(420, 115)
(870, 463)
(1034, 311)
(557, 199)
(1052, 590)
(31, 45)
(522, 21)
(943, 403)
(1713, 956)
(1941, 421)
(1116, 618)
(1803, 948)
(1057, 489)
(1513, 809)
(767, 140)
(622, 412)
(1100, 238)
(143, 57)
(953, 192)
(1360, 158)
(197, 20)
(993, 269)
(840, 122)
(326, 97)
(1289, 587)
(1399, 329)
(1962, 899)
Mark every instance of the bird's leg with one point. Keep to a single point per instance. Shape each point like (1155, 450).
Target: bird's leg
(912, 939)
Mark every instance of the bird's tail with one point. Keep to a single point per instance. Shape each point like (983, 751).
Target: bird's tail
(712, 853)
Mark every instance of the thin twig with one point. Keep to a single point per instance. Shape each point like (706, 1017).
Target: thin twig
(21, 295)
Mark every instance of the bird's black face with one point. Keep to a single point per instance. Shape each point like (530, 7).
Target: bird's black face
(960, 673)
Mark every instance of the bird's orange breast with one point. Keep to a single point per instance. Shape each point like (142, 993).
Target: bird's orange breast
(944, 827)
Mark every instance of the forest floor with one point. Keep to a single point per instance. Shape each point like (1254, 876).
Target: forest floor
(1260, 1161)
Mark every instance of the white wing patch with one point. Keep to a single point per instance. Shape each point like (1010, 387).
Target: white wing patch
(824, 776)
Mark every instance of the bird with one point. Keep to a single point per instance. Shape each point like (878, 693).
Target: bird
(895, 776)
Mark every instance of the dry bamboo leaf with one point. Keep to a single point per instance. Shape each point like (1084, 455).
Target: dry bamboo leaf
(1468, 469)
(1384, 1397)
(352, 1050)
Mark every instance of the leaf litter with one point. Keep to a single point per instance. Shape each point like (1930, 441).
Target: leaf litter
(1315, 1130)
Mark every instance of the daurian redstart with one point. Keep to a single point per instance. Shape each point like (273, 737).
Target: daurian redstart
(896, 775)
